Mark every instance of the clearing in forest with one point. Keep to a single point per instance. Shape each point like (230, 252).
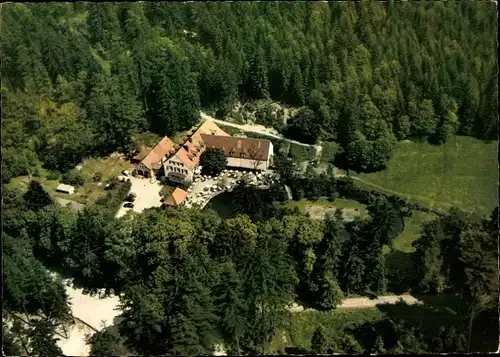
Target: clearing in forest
(318, 209)
(462, 172)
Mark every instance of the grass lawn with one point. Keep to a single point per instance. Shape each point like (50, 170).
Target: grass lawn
(302, 153)
(109, 167)
(413, 226)
(88, 193)
(463, 172)
(329, 150)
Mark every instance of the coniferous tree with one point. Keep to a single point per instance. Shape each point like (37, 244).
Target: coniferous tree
(42, 341)
(36, 197)
(228, 299)
(319, 341)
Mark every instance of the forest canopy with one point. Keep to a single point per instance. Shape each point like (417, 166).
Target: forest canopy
(81, 79)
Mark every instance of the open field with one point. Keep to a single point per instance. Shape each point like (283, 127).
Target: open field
(302, 153)
(463, 172)
(90, 191)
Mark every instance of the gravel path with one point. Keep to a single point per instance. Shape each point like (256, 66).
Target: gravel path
(364, 302)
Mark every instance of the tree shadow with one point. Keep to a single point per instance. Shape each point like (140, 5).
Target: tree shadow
(296, 351)
(428, 318)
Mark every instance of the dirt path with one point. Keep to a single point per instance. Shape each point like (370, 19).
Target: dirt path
(364, 302)
(319, 150)
(260, 129)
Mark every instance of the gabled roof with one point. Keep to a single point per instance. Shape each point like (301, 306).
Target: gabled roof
(208, 127)
(189, 153)
(153, 159)
(176, 197)
(189, 160)
(244, 148)
(145, 150)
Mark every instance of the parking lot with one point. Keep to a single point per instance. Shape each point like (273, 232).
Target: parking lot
(200, 196)
(147, 195)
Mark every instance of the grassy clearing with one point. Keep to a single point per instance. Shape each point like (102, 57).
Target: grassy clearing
(301, 326)
(88, 193)
(302, 153)
(329, 150)
(109, 167)
(437, 311)
(463, 172)
(413, 227)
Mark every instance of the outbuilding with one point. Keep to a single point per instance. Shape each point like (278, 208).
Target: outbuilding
(65, 189)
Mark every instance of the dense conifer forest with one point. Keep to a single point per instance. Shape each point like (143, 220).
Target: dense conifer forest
(82, 79)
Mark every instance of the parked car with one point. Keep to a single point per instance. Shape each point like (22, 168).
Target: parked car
(125, 172)
(128, 205)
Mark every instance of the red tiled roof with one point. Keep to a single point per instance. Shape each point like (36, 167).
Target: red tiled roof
(153, 159)
(208, 127)
(176, 197)
(190, 151)
(184, 156)
(245, 148)
(145, 150)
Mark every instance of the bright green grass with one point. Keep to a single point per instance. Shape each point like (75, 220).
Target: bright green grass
(339, 202)
(90, 191)
(463, 172)
(413, 227)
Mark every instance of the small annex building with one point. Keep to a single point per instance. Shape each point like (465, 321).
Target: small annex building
(176, 197)
(65, 189)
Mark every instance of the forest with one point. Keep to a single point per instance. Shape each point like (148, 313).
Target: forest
(189, 279)
(81, 80)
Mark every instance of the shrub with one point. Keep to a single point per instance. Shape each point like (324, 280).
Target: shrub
(213, 161)
(73, 177)
(53, 175)
(98, 177)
